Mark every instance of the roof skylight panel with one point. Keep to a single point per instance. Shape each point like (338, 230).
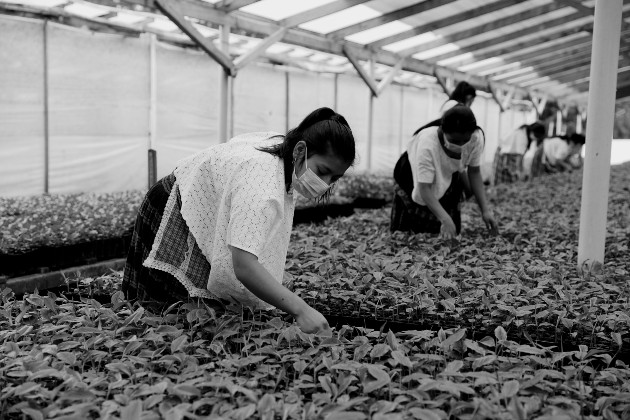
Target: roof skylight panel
(341, 19)
(281, 9)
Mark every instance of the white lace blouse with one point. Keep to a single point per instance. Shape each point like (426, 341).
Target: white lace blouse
(234, 195)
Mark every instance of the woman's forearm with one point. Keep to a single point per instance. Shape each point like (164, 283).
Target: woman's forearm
(261, 283)
(476, 184)
(433, 203)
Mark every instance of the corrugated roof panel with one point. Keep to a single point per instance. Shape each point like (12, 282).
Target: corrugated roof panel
(163, 24)
(379, 32)
(443, 49)
(37, 3)
(127, 18)
(281, 9)
(411, 42)
(482, 63)
(341, 19)
(85, 10)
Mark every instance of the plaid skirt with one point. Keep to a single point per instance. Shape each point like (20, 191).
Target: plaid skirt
(507, 167)
(151, 285)
(408, 215)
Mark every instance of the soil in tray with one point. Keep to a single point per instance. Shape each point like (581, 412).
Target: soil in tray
(50, 258)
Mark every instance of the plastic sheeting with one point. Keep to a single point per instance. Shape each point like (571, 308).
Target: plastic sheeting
(307, 92)
(352, 103)
(21, 107)
(387, 129)
(99, 111)
(259, 100)
(99, 97)
(187, 105)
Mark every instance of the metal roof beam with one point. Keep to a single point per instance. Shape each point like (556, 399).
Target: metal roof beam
(557, 23)
(318, 12)
(172, 9)
(480, 29)
(388, 17)
(442, 23)
(497, 52)
(250, 24)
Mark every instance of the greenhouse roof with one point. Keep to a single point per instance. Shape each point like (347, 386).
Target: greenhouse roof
(517, 50)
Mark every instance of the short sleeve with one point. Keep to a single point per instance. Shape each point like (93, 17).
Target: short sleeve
(255, 208)
(426, 167)
(476, 154)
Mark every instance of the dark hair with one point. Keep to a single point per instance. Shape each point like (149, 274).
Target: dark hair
(324, 131)
(458, 119)
(461, 91)
(537, 129)
(577, 138)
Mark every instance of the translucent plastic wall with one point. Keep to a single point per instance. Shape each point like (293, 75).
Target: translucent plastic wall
(99, 107)
(21, 107)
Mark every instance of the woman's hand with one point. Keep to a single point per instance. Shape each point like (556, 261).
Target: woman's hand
(448, 229)
(491, 224)
(311, 321)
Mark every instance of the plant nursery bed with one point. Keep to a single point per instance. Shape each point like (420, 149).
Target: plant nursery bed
(50, 258)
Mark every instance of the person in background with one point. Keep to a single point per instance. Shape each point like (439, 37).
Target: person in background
(508, 160)
(558, 154)
(463, 94)
(428, 188)
(219, 225)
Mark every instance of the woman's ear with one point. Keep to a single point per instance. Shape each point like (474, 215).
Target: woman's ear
(299, 150)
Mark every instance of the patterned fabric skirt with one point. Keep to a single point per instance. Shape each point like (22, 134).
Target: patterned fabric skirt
(408, 215)
(139, 282)
(507, 167)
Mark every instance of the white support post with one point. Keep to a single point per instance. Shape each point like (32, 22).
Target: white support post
(559, 122)
(46, 122)
(599, 132)
(370, 117)
(578, 123)
(224, 87)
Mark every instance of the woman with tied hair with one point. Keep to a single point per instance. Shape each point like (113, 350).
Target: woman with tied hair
(428, 188)
(219, 225)
(509, 158)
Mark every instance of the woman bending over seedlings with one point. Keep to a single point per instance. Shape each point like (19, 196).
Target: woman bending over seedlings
(219, 225)
(558, 154)
(428, 188)
(510, 155)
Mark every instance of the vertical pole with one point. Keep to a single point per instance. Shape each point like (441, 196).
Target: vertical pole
(224, 84)
(370, 118)
(46, 108)
(286, 101)
(152, 172)
(336, 92)
(578, 123)
(400, 120)
(599, 132)
(558, 122)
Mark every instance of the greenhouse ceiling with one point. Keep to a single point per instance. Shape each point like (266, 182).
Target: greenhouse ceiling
(532, 50)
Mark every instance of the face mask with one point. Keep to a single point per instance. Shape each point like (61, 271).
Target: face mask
(453, 147)
(309, 185)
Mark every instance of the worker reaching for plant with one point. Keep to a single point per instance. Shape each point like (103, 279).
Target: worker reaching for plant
(558, 154)
(428, 188)
(511, 162)
(219, 225)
